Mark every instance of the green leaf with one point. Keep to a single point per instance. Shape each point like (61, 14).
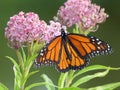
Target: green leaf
(73, 88)
(110, 86)
(69, 78)
(3, 87)
(16, 67)
(48, 83)
(20, 59)
(35, 85)
(32, 73)
(89, 77)
(27, 68)
(93, 67)
(62, 78)
(48, 80)
(17, 78)
(89, 68)
(38, 46)
(30, 60)
(40, 84)
(13, 61)
(17, 73)
(24, 55)
(28, 75)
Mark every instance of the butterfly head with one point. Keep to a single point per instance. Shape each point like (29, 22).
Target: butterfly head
(63, 34)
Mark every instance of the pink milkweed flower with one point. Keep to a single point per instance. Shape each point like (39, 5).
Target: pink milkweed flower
(53, 30)
(24, 27)
(81, 12)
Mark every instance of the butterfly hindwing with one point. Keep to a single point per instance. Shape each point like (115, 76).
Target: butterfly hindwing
(73, 61)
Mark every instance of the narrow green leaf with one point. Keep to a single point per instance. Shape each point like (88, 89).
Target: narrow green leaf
(48, 80)
(38, 46)
(62, 79)
(17, 78)
(110, 86)
(73, 88)
(17, 73)
(20, 59)
(16, 67)
(35, 85)
(32, 73)
(90, 77)
(3, 87)
(89, 68)
(27, 68)
(30, 60)
(69, 78)
(13, 61)
(40, 84)
(93, 67)
(24, 55)
(28, 75)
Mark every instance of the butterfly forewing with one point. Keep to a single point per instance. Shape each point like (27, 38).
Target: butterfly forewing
(50, 53)
(90, 47)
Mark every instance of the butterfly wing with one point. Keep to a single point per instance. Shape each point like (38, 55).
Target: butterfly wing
(89, 46)
(79, 51)
(69, 59)
(50, 53)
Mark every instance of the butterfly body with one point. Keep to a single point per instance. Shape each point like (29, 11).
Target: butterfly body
(71, 51)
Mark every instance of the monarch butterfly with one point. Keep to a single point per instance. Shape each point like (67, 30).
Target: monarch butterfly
(71, 51)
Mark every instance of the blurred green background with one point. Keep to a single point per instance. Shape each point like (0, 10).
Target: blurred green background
(108, 31)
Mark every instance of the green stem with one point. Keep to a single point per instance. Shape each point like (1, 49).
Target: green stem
(20, 59)
(24, 77)
(62, 79)
(111, 68)
(21, 63)
(69, 78)
(26, 60)
(26, 72)
(25, 69)
(29, 49)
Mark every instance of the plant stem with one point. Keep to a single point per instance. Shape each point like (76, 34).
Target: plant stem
(20, 59)
(24, 69)
(62, 80)
(29, 49)
(70, 78)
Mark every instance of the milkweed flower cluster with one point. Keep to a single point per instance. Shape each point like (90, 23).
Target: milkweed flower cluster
(24, 27)
(27, 27)
(81, 12)
(53, 30)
